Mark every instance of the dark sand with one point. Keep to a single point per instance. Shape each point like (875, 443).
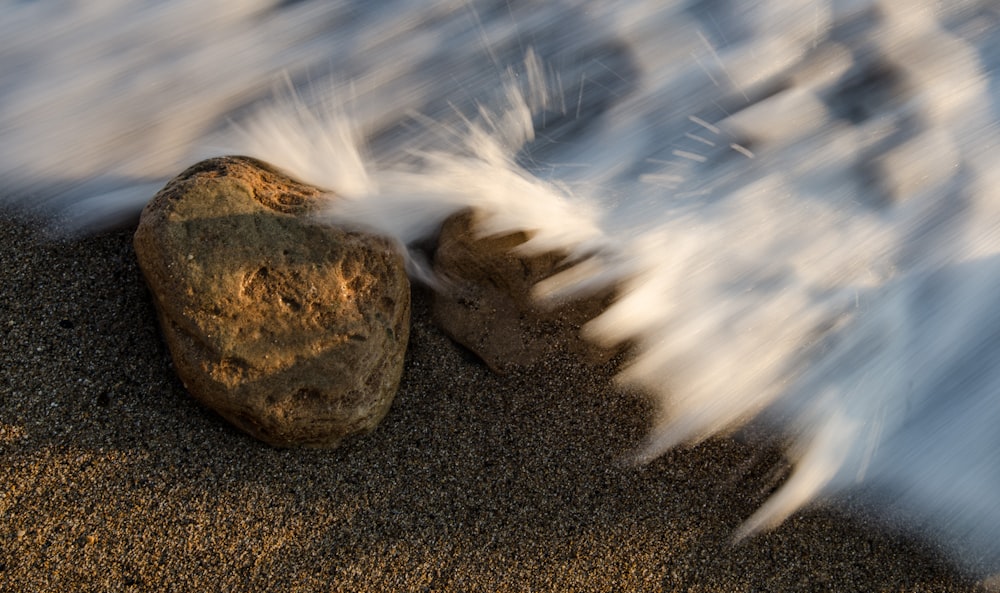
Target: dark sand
(113, 479)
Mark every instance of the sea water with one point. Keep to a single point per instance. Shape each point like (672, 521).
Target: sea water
(797, 200)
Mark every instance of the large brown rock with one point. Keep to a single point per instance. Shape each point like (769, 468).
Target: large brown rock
(293, 331)
(486, 304)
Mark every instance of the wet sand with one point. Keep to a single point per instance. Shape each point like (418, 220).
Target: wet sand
(113, 479)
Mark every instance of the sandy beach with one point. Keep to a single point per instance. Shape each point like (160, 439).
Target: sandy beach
(113, 479)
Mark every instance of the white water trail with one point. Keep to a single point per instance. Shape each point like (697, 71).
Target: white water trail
(799, 201)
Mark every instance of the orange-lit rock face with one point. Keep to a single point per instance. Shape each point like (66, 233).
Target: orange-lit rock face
(293, 331)
(487, 303)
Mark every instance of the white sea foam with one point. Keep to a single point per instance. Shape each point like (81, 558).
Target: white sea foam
(798, 200)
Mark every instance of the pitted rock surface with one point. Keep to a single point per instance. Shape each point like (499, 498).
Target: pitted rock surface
(292, 330)
(487, 305)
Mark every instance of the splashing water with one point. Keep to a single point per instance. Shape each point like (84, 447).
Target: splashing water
(799, 201)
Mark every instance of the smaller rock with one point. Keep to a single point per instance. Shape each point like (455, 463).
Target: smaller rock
(293, 331)
(487, 305)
